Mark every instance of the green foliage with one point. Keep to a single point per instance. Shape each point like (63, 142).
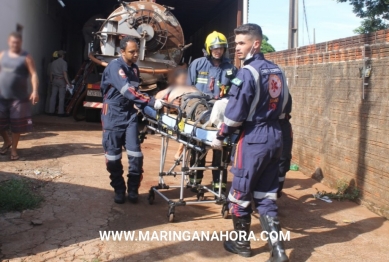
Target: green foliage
(375, 14)
(345, 191)
(18, 195)
(371, 25)
(266, 47)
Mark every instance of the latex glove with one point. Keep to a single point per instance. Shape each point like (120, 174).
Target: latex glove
(217, 144)
(158, 104)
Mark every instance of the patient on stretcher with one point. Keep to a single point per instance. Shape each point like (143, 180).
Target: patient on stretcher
(192, 103)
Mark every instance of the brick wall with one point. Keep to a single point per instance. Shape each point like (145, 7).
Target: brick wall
(341, 130)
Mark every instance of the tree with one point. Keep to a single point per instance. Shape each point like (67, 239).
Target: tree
(375, 14)
(266, 47)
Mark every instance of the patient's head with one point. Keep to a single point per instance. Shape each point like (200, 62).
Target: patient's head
(178, 77)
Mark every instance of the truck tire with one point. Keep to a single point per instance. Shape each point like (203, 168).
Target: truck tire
(79, 109)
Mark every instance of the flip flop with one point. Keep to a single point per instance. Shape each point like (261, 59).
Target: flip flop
(4, 150)
(14, 157)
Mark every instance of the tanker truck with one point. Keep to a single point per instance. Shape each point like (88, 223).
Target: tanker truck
(161, 46)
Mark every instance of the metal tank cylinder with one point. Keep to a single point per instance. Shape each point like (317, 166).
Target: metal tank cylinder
(160, 36)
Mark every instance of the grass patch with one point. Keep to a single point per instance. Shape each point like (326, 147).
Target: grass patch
(345, 192)
(18, 195)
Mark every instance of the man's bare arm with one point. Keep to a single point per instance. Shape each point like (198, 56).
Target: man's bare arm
(33, 73)
(34, 79)
(65, 75)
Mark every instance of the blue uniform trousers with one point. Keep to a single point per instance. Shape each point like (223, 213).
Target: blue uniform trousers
(120, 129)
(286, 156)
(255, 169)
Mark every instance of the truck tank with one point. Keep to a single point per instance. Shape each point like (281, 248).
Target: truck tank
(161, 39)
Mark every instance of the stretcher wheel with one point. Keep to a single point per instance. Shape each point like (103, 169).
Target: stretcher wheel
(151, 197)
(200, 196)
(225, 211)
(171, 217)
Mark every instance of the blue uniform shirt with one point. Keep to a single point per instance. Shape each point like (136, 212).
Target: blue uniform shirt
(250, 106)
(120, 84)
(208, 78)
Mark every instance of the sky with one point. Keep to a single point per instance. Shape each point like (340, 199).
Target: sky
(331, 20)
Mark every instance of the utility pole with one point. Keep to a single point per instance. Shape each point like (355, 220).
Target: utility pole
(314, 36)
(293, 24)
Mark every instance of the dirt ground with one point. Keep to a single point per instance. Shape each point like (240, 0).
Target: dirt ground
(68, 158)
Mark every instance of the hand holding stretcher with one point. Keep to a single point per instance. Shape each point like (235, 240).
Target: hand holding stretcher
(186, 118)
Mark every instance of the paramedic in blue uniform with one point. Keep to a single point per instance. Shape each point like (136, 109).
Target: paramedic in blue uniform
(287, 140)
(212, 75)
(120, 90)
(257, 97)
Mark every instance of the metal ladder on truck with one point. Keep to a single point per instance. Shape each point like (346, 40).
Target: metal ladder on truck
(80, 91)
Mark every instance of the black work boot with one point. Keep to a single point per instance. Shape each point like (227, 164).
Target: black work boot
(240, 246)
(119, 198)
(277, 250)
(133, 185)
(192, 184)
(215, 188)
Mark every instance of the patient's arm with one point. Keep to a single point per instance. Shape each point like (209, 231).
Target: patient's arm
(175, 93)
(161, 94)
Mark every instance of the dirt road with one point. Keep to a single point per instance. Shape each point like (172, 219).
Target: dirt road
(78, 204)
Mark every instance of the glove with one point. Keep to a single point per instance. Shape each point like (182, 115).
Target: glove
(158, 104)
(70, 89)
(217, 144)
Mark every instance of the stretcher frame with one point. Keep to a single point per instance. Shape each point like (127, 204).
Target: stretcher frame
(190, 142)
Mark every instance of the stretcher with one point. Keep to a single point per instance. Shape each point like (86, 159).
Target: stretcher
(194, 136)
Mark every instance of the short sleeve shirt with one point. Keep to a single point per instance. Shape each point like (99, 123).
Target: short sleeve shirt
(58, 67)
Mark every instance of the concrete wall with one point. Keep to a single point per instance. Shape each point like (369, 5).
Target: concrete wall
(338, 134)
(41, 33)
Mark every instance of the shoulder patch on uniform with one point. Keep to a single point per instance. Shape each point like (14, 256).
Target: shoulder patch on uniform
(275, 86)
(121, 73)
(236, 81)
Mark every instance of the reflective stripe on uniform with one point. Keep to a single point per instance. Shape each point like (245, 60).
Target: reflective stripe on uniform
(286, 93)
(124, 89)
(217, 185)
(262, 195)
(257, 92)
(134, 83)
(239, 202)
(192, 180)
(113, 157)
(281, 179)
(202, 80)
(231, 123)
(134, 153)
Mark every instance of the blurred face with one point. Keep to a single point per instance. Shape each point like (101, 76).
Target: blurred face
(246, 44)
(181, 79)
(14, 44)
(217, 53)
(131, 53)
